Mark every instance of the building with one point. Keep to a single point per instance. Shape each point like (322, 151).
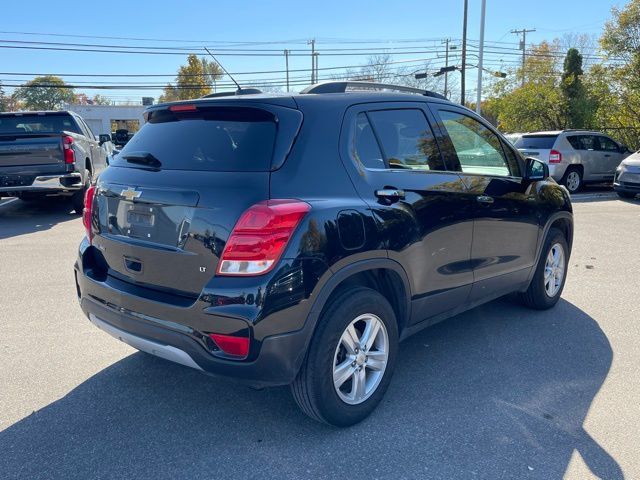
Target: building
(109, 118)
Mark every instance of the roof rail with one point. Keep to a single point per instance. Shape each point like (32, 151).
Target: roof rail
(343, 86)
(240, 91)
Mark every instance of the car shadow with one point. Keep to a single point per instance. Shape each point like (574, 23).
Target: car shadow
(497, 392)
(20, 218)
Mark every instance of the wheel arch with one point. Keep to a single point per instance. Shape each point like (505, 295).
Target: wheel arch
(382, 274)
(563, 221)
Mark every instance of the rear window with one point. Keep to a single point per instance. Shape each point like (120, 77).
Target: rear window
(543, 142)
(20, 124)
(216, 139)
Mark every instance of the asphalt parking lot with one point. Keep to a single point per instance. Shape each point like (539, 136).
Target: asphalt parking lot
(498, 392)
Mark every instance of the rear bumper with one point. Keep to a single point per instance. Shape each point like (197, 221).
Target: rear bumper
(275, 365)
(66, 182)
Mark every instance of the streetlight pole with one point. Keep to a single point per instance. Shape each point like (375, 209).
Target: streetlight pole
(480, 57)
(286, 63)
(464, 52)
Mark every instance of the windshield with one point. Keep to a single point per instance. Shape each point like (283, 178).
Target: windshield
(217, 139)
(34, 123)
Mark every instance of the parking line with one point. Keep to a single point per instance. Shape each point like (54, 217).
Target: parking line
(11, 200)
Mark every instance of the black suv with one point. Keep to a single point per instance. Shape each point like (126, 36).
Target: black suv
(297, 239)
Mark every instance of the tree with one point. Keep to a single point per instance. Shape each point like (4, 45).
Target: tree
(100, 100)
(45, 93)
(4, 100)
(538, 105)
(618, 82)
(194, 80)
(212, 71)
(578, 106)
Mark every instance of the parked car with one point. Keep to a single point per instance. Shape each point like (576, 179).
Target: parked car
(575, 157)
(48, 154)
(626, 182)
(295, 240)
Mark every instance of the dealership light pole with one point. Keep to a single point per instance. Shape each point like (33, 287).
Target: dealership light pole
(464, 52)
(480, 57)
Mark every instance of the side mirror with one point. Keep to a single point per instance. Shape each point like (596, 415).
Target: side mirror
(625, 149)
(104, 138)
(535, 169)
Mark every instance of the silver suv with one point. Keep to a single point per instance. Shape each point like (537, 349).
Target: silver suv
(575, 157)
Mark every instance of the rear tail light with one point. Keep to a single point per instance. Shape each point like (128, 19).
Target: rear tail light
(69, 154)
(231, 345)
(260, 236)
(555, 156)
(87, 212)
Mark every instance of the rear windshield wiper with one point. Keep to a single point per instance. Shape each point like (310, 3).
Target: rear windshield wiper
(144, 158)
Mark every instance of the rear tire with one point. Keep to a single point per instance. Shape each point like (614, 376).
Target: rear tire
(78, 197)
(333, 360)
(572, 179)
(546, 286)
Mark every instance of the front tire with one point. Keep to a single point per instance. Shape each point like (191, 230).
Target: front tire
(351, 359)
(549, 278)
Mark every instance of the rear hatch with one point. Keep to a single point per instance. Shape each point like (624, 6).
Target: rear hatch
(537, 145)
(169, 200)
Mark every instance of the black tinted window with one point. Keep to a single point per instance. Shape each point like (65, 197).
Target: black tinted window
(407, 140)
(37, 124)
(543, 142)
(364, 144)
(217, 139)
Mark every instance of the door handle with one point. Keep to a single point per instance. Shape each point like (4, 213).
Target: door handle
(607, 155)
(484, 199)
(390, 194)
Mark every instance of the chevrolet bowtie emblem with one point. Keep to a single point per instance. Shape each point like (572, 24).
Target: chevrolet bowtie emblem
(130, 193)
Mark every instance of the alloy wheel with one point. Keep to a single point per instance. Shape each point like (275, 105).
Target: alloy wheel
(554, 270)
(360, 359)
(573, 181)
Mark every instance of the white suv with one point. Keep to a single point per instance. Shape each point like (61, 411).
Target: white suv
(575, 156)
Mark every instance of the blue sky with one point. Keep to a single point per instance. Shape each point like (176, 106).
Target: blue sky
(290, 23)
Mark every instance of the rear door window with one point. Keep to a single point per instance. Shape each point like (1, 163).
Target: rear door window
(406, 139)
(588, 142)
(223, 139)
(542, 142)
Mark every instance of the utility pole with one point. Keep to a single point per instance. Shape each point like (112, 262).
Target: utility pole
(313, 60)
(464, 51)
(480, 57)
(286, 64)
(523, 46)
